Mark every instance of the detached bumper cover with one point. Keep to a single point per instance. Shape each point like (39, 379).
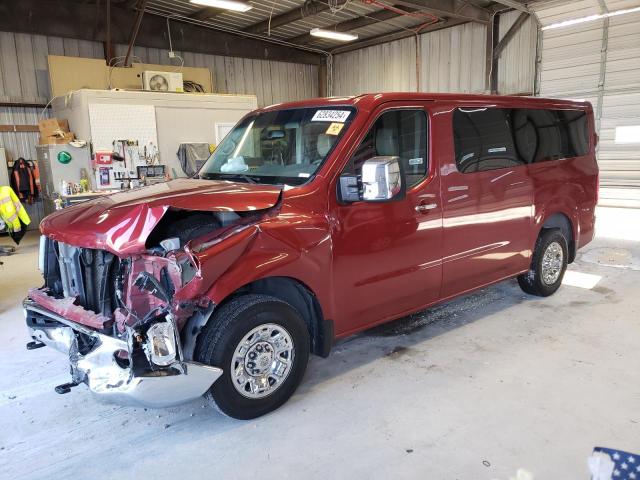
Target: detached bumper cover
(94, 360)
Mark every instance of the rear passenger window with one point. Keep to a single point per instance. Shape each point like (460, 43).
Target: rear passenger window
(401, 133)
(491, 138)
(483, 140)
(542, 135)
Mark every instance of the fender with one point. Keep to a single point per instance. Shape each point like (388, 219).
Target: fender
(212, 262)
(562, 206)
(563, 190)
(272, 253)
(565, 205)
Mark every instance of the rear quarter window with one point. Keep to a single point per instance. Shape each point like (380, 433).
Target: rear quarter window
(494, 138)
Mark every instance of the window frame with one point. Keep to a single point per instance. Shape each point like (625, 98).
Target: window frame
(384, 109)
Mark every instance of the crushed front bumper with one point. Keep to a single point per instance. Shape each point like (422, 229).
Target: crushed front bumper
(97, 360)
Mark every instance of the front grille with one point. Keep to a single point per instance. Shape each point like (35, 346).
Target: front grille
(83, 273)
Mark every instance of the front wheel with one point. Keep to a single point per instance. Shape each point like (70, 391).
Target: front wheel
(548, 264)
(262, 344)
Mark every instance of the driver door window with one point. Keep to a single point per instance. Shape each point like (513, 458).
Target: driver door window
(401, 133)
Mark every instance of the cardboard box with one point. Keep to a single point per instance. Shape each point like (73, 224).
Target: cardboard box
(63, 138)
(51, 127)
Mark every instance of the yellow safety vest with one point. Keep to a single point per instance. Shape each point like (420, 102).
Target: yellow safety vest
(11, 210)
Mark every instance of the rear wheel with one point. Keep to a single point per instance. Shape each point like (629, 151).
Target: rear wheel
(262, 344)
(548, 264)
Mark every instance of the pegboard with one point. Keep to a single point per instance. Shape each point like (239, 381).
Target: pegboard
(113, 121)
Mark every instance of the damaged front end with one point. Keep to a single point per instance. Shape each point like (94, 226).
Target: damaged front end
(113, 368)
(120, 319)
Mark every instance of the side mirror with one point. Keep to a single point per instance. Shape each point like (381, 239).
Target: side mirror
(349, 188)
(381, 180)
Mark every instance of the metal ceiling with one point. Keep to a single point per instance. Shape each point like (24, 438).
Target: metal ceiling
(263, 10)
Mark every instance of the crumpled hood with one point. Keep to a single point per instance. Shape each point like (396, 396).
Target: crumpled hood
(121, 223)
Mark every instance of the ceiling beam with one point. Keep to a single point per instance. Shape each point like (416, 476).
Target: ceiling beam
(497, 51)
(134, 31)
(457, 9)
(353, 24)
(514, 4)
(491, 58)
(60, 18)
(205, 13)
(108, 47)
(306, 10)
(397, 35)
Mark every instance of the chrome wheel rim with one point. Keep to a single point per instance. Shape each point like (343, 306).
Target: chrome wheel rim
(262, 361)
(552, 261)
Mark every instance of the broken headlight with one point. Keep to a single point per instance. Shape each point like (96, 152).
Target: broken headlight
(161, 344)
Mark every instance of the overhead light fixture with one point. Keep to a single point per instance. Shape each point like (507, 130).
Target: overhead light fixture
(234, 5)
(591, 18)
(333, 35)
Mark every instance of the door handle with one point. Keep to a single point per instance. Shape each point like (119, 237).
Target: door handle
(425, 207)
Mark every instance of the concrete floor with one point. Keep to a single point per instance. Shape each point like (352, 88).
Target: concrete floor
(476, 389)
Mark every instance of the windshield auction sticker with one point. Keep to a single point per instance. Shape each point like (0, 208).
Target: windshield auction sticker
(331, 116)
(334, 128)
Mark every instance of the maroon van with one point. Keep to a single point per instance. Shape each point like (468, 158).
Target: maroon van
(311, 221)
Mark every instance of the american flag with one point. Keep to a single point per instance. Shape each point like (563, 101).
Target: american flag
(619, 466)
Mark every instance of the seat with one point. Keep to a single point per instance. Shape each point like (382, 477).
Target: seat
(324, 144)
(386, 143)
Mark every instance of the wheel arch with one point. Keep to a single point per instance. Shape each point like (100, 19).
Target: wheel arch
(291, 290)
(563, 222)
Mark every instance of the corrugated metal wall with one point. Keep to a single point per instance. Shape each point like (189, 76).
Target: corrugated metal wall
(272, 82)
(621, 101)
(388, 67)
(454, 59)
(24, 77)
(451, 60)
(517, 63)
(598, 61)
(570, 60)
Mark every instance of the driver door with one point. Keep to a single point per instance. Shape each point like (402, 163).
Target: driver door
(387, 259)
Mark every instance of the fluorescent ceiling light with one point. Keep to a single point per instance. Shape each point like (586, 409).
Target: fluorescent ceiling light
(591, 18)
(333, 35)
(225, 4)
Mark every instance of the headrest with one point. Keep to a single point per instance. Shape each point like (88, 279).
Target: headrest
(385, 144)
(324, 144)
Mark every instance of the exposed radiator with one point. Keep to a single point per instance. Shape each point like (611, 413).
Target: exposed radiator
(82, 273)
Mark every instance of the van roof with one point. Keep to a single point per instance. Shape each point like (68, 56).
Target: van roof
(369, 101)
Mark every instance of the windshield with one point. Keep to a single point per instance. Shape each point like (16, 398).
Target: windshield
(283, 146)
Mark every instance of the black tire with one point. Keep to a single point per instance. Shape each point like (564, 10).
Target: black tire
(223, 333)
(533, 282)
